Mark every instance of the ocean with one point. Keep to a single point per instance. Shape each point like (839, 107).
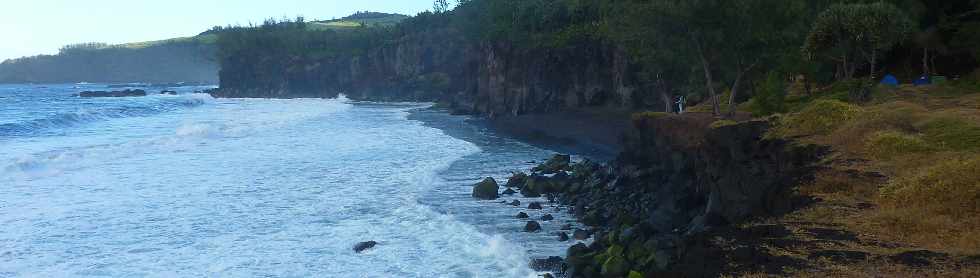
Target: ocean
(187, 185)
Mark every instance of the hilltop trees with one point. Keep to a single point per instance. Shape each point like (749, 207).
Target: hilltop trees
(704, 49)
(848, 32)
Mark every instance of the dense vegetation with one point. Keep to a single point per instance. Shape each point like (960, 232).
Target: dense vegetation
(704, 50)
(174, 60)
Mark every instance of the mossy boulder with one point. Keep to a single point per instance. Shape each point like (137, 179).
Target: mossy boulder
(486, 189)
(635, 274)
(615, 266)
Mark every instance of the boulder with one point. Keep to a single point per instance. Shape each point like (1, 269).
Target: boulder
(517, 180)
(534, 205)
(552, 263)
(536, 185)
(168, 92)
(615, 266)
(566, 227)
(516, 203)
(532, 227)
(509, 192)
(580, 234)
(563, 236)
(522, 215)
(547, 217)
(486, 189)
(364, 246)
(557, 163)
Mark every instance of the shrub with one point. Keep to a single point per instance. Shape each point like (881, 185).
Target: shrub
(950, 188)
(890, 144)
(770, 98)
(819, 118)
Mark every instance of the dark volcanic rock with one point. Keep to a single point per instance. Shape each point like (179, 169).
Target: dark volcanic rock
(517, 180)
(486, 189)
(532, 226)
(557, 163)
(563, 236)
(580, 234)
(522, 215)
(509, 192)
(547, 217)
(168, 92)
(917, 258)
(534, 205)
(553, 263)
(515, 203)
(123, 93)
(364, 246)
(566, 227)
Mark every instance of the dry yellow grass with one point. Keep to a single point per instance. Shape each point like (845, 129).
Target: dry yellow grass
(926, 144)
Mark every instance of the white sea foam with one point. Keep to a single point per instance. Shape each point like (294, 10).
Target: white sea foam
(244, 188)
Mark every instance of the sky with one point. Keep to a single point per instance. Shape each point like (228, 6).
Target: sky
(32, 27)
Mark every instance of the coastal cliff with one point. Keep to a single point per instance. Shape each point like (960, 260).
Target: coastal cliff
(489, 79)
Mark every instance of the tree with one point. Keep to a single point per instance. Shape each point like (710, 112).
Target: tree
(847, 31)
(440, 6)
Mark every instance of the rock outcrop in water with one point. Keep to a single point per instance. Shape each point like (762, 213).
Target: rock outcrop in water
(360, 247)
(123, 93)
(486, 189)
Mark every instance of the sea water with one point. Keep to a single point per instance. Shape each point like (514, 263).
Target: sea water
(188, 185)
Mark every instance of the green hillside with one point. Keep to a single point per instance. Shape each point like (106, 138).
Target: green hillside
(359, 19)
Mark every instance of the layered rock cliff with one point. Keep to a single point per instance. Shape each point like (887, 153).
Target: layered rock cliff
(491, 79)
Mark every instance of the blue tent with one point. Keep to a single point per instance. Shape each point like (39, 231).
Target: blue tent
(922, 81)
(889, 80)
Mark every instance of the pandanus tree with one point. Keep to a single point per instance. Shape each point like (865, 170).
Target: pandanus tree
(848, 33)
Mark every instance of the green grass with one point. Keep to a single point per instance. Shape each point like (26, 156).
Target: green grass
(890, 144)
(722, 123)
(346, 23)
(818, 118)
(204, 39)
(953, 134)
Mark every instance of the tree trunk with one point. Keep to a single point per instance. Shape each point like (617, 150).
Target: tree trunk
(807, 87)
(715, 108)
(874, 60)
(732, 106)
(664, 95)
(925, 62)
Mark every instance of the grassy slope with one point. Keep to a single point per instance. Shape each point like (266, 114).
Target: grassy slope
(347, 22)
(338, 24)
(899, 195)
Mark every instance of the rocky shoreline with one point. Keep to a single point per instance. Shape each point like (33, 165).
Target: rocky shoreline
(654, 210)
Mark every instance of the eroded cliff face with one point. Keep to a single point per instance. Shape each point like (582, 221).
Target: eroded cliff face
(490, 79)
